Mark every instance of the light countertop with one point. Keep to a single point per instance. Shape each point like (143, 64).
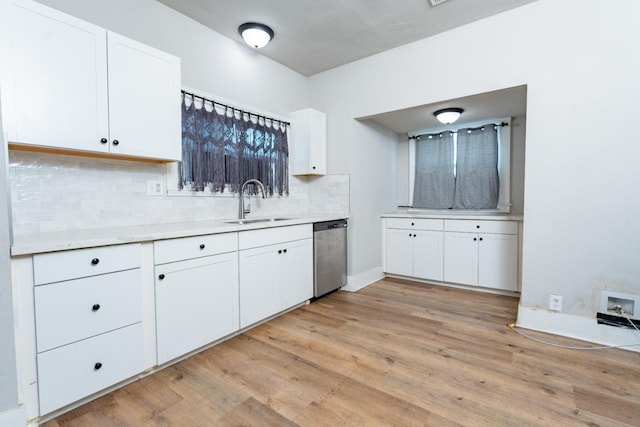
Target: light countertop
(404, 213)
(75, 239)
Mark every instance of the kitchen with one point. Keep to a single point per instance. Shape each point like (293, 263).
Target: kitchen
(576, 204)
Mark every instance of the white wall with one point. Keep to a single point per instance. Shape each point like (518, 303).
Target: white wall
(578, 60)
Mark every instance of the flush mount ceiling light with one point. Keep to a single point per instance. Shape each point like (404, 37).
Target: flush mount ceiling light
(256, 35)
(448, 115)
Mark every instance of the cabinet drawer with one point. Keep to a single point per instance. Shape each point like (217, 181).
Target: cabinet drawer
(273, 236)
(416, 223)
(193, 247)
(77, 370)
(481, 226)
(66, 265)
(77, 309)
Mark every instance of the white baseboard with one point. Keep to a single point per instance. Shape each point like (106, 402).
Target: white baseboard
(15, 417)
(364, 279)
(579, 327)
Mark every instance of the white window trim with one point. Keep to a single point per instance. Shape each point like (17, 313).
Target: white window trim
(504, 166)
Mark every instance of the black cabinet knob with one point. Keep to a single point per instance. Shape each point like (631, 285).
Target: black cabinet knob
(477, 226)
(95, 261)
(115, 142)
(95, 307)
(279, 251)
(313, 167)
(97, 366)
(103, 140)
(202, 246)
(161, 276)
(412, 224)
(481, 239)
(474, 239)
(285, 251)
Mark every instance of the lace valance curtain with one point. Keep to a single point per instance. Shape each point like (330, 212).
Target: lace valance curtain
(222, 147)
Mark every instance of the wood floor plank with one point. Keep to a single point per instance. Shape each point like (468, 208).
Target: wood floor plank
(395, 353)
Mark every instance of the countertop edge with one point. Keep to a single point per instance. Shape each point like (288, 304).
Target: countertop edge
(488, 216)
(79, 239)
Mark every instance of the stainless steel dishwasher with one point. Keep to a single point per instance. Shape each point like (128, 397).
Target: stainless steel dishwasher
(329, 256)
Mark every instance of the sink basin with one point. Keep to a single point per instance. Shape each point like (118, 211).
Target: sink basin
(254, 220)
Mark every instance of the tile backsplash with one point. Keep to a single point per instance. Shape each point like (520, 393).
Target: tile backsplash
(53, 192)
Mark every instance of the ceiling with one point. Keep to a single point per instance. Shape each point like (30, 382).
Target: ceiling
(312, 36)
(510, 102)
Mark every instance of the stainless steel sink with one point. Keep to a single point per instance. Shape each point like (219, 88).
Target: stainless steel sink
(254, 220)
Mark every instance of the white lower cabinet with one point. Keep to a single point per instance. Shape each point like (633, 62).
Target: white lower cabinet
(488, 259)
(276, 271)
(196, 303)
(77, 370)
(196, 294)
(88, 321)
(469, 252)
(414, 248)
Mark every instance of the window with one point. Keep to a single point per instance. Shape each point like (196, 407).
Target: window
(222, 147)
(463, 169)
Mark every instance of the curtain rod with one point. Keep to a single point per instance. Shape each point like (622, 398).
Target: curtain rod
(502, 124)
(193, 95)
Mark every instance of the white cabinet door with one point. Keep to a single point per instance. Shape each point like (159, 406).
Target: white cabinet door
(59, 94)
(461, 258)
(399, 252)
(297, 272)
(260, 288)
(497, 261)
(308, 146)
(77, 370)
(427, 255)
(196, 303)
(144, 100)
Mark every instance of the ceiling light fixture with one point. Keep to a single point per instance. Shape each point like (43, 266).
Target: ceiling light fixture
(448, 115)
(256, 35)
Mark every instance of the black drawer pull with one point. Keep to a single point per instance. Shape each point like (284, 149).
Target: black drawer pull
(477, 226)
(202, 246)
(95, 307)
(95, 261)
(103, 140)
(115, 142)
(279, 251)
(481, 239)
(285, 251)
(161, 276)
(97, 366)
(474, 239)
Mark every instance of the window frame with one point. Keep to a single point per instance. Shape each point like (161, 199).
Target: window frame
(504, 165)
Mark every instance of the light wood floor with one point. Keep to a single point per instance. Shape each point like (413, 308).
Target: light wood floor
(395, 353)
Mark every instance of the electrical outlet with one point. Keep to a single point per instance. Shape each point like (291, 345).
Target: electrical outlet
(555, 302)
(155, 188)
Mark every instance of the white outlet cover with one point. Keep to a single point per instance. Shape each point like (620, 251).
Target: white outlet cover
(555, 302)
(155, 188)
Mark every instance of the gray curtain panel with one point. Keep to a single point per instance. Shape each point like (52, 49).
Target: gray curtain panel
(477, 169)
(434, 181)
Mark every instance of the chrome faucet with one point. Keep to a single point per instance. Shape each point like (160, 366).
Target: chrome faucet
(241, 210)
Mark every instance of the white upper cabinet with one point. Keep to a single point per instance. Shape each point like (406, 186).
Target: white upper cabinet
(144, 100)
(72, 85)
(308, 144)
